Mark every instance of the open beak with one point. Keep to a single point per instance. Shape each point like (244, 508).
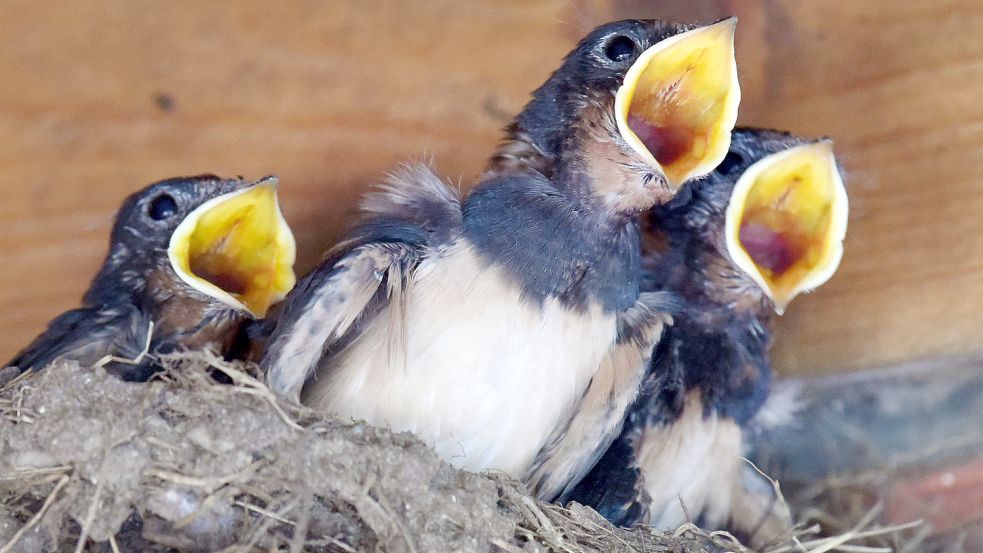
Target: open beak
(678, 103)
(237, 248)
(787, 219)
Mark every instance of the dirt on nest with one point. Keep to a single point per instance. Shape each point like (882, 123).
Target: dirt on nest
(91, 463)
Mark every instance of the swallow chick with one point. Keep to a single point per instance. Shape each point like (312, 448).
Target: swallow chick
(484, 325)
(190, 261)
(737, 247)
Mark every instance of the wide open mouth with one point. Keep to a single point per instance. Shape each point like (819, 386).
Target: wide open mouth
(678, 103)
(787, 219)
(237, 248)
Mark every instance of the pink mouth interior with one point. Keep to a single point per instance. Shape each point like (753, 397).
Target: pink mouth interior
(666, 144)
(769, 249)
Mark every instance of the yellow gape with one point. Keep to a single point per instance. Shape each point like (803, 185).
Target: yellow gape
(787, 219)
(237, 248)
(679, 101)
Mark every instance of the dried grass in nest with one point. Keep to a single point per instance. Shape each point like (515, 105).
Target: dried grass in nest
(838, 502)
(90, 463)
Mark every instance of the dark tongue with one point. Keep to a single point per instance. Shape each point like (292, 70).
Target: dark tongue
(666, 144)
(769, 249)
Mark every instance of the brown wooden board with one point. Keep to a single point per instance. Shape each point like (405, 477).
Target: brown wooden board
(99, 98)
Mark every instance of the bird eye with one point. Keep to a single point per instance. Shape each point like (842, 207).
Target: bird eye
(620, 48)
(731, 161)
(162, 207)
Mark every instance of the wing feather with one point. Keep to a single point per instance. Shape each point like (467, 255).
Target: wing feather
(331, 299)
(409, 216)
(594, 424)
(88, 334)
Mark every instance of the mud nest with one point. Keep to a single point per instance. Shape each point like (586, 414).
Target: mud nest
(186, 463)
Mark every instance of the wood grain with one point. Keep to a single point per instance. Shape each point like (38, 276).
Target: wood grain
(100, 98)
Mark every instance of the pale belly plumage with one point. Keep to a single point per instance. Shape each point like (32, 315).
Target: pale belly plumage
(480, 374)
(690, 467)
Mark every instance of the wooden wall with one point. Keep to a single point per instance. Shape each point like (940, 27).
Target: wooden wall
(100, 98)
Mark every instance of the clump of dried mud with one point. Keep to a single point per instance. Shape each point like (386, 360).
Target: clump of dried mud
(91, 463)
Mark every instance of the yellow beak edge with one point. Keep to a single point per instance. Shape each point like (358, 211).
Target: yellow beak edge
(678, 103)
(237, 248)
(787, 219)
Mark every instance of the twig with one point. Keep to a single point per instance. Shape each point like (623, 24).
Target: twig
(9, 546)
(253, 387)
(850, 548)
(15, 380)
(91, 514)
(582, 519)
(300, 530)
(505, 546)
(202, 509)
(198, 482)
(731, 539)
(384, 506)
(19, 404)
(332, 541)
(136, 360)
(839, 543)
(544, 522)
(890, 529)
(916, 540)
(682, 505)
(20, 473)
(268, 396)
(265, 526)
(259, 510)
(780, 498)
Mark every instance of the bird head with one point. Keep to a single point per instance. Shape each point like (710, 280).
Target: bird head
(775, 210)
(647, 103)
(224, 238)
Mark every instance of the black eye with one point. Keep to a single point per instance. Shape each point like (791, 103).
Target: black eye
(162, 207)
(731, 161)
(620, 48)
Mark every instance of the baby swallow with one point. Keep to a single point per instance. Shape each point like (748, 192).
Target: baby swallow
(190, 261)
(508, 329)
(767, 224)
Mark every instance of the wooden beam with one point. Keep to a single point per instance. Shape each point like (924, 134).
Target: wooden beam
(100, 98)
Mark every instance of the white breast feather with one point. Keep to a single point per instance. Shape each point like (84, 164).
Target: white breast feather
(692, 463)
(487, 375)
